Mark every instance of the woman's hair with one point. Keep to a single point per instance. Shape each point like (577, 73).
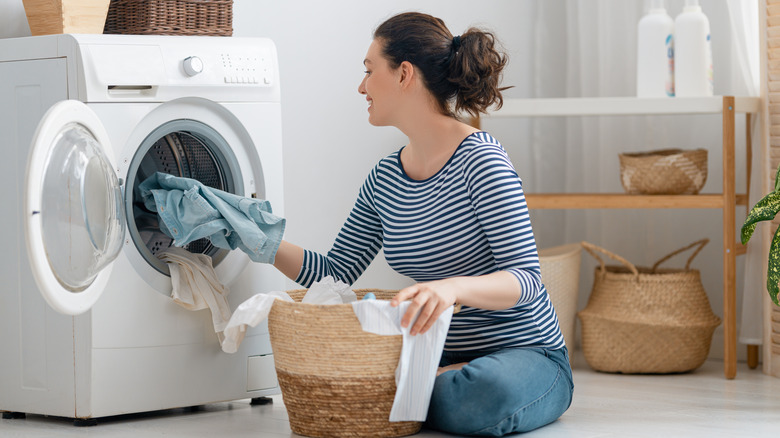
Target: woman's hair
(462, 71)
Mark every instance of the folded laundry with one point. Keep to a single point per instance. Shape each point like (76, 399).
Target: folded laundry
(195, 285)
(190, 210)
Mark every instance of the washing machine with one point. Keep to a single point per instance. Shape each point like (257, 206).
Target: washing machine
(88, 328)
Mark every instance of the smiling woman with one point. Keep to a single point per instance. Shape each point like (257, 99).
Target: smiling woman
(448, 209)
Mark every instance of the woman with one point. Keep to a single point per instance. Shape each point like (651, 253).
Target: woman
(449, 210)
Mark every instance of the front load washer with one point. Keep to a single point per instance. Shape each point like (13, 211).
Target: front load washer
(87, 325)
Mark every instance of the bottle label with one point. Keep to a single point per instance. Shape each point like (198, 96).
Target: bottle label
(670, 63)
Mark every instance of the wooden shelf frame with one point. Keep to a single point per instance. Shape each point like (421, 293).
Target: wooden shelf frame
(727, 200)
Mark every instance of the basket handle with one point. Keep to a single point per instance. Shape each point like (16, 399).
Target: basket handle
(591, 248)
(701, 244)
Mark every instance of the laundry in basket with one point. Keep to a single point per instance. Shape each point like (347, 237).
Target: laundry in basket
(378, 379)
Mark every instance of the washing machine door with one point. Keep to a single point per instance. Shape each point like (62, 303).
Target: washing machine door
(74, 223)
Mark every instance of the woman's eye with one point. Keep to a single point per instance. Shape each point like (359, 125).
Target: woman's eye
(367, 72)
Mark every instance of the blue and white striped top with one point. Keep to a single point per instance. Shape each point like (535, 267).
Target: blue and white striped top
(468, 219)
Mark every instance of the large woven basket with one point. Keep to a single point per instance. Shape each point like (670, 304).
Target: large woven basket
(561, 277)
(170, 17)
(646, 320)
(664, 172)
(336, 379)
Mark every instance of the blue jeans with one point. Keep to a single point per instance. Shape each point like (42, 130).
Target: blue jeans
(506, 391)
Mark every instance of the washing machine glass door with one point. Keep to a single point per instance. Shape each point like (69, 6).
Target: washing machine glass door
(74, 221)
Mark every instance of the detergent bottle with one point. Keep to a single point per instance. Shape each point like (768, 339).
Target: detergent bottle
(692, 52)
(655, 53)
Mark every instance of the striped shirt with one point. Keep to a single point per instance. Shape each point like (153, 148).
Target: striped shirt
(468, 219)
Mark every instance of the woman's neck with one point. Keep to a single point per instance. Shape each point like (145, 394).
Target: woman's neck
(432, 141)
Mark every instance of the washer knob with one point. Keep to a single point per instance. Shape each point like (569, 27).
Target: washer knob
(192, 65)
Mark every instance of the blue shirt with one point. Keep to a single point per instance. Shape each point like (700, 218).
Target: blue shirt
(468, 219)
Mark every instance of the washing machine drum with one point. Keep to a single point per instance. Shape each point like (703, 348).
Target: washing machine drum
(186, 149)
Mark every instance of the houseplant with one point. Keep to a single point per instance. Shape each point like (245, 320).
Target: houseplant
(766, 209)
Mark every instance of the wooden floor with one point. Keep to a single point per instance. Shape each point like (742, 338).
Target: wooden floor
(698, 404)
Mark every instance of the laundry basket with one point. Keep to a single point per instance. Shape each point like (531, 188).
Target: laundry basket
(646, 320)
(561, 276)
(336, 379)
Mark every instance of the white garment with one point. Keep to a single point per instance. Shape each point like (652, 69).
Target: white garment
(420, 355)
(329, 291)
(195, 285)
(249, 313)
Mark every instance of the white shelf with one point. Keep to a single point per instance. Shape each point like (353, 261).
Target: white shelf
(604, 106)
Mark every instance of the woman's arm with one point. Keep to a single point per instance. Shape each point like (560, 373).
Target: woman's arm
(356, 245)
(496, 291)
(289, 259)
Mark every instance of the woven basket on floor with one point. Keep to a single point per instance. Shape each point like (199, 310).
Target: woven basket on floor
(664, 172)
(336, 379)
(646, 320)
(561, 277)
(170, 17)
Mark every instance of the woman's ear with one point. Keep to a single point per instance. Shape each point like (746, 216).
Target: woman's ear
(407, 74)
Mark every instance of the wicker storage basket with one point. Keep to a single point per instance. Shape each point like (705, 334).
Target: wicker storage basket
(561, 276)
(664, 172)
(336, 379)
(641, 320)
(170, 17)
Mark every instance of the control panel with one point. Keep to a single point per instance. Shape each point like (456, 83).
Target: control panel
(247, 69)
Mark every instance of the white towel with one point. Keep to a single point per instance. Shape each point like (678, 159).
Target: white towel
(195, 285)
(420, 355)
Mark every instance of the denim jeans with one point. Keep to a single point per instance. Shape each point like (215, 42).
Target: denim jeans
(506, 391)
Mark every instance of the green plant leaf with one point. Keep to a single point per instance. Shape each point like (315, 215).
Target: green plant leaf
(773, 270)
(777, 179)
(764, 210)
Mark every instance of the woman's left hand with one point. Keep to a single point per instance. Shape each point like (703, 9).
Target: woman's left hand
(429, 300)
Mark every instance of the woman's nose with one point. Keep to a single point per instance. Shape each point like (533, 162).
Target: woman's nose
(362, 86)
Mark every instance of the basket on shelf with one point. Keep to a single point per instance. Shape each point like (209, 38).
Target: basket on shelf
(664, 172)
(47, 17)
(336, 379)
(170, 17)
(560, 267)
(646, 320)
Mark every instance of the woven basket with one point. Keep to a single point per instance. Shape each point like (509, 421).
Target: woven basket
(561, 277)
(336, 379)
(641, 320)
(664, 172)
(170, 17)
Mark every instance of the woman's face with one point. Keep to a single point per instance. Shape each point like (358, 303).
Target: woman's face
(380, 86)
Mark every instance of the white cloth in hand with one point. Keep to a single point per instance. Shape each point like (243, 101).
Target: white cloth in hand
(420, 355)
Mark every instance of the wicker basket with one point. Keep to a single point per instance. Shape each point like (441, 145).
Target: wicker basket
(664, 172)
(336, 379)
(170, 17)
(561, 276)
(641, 320)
